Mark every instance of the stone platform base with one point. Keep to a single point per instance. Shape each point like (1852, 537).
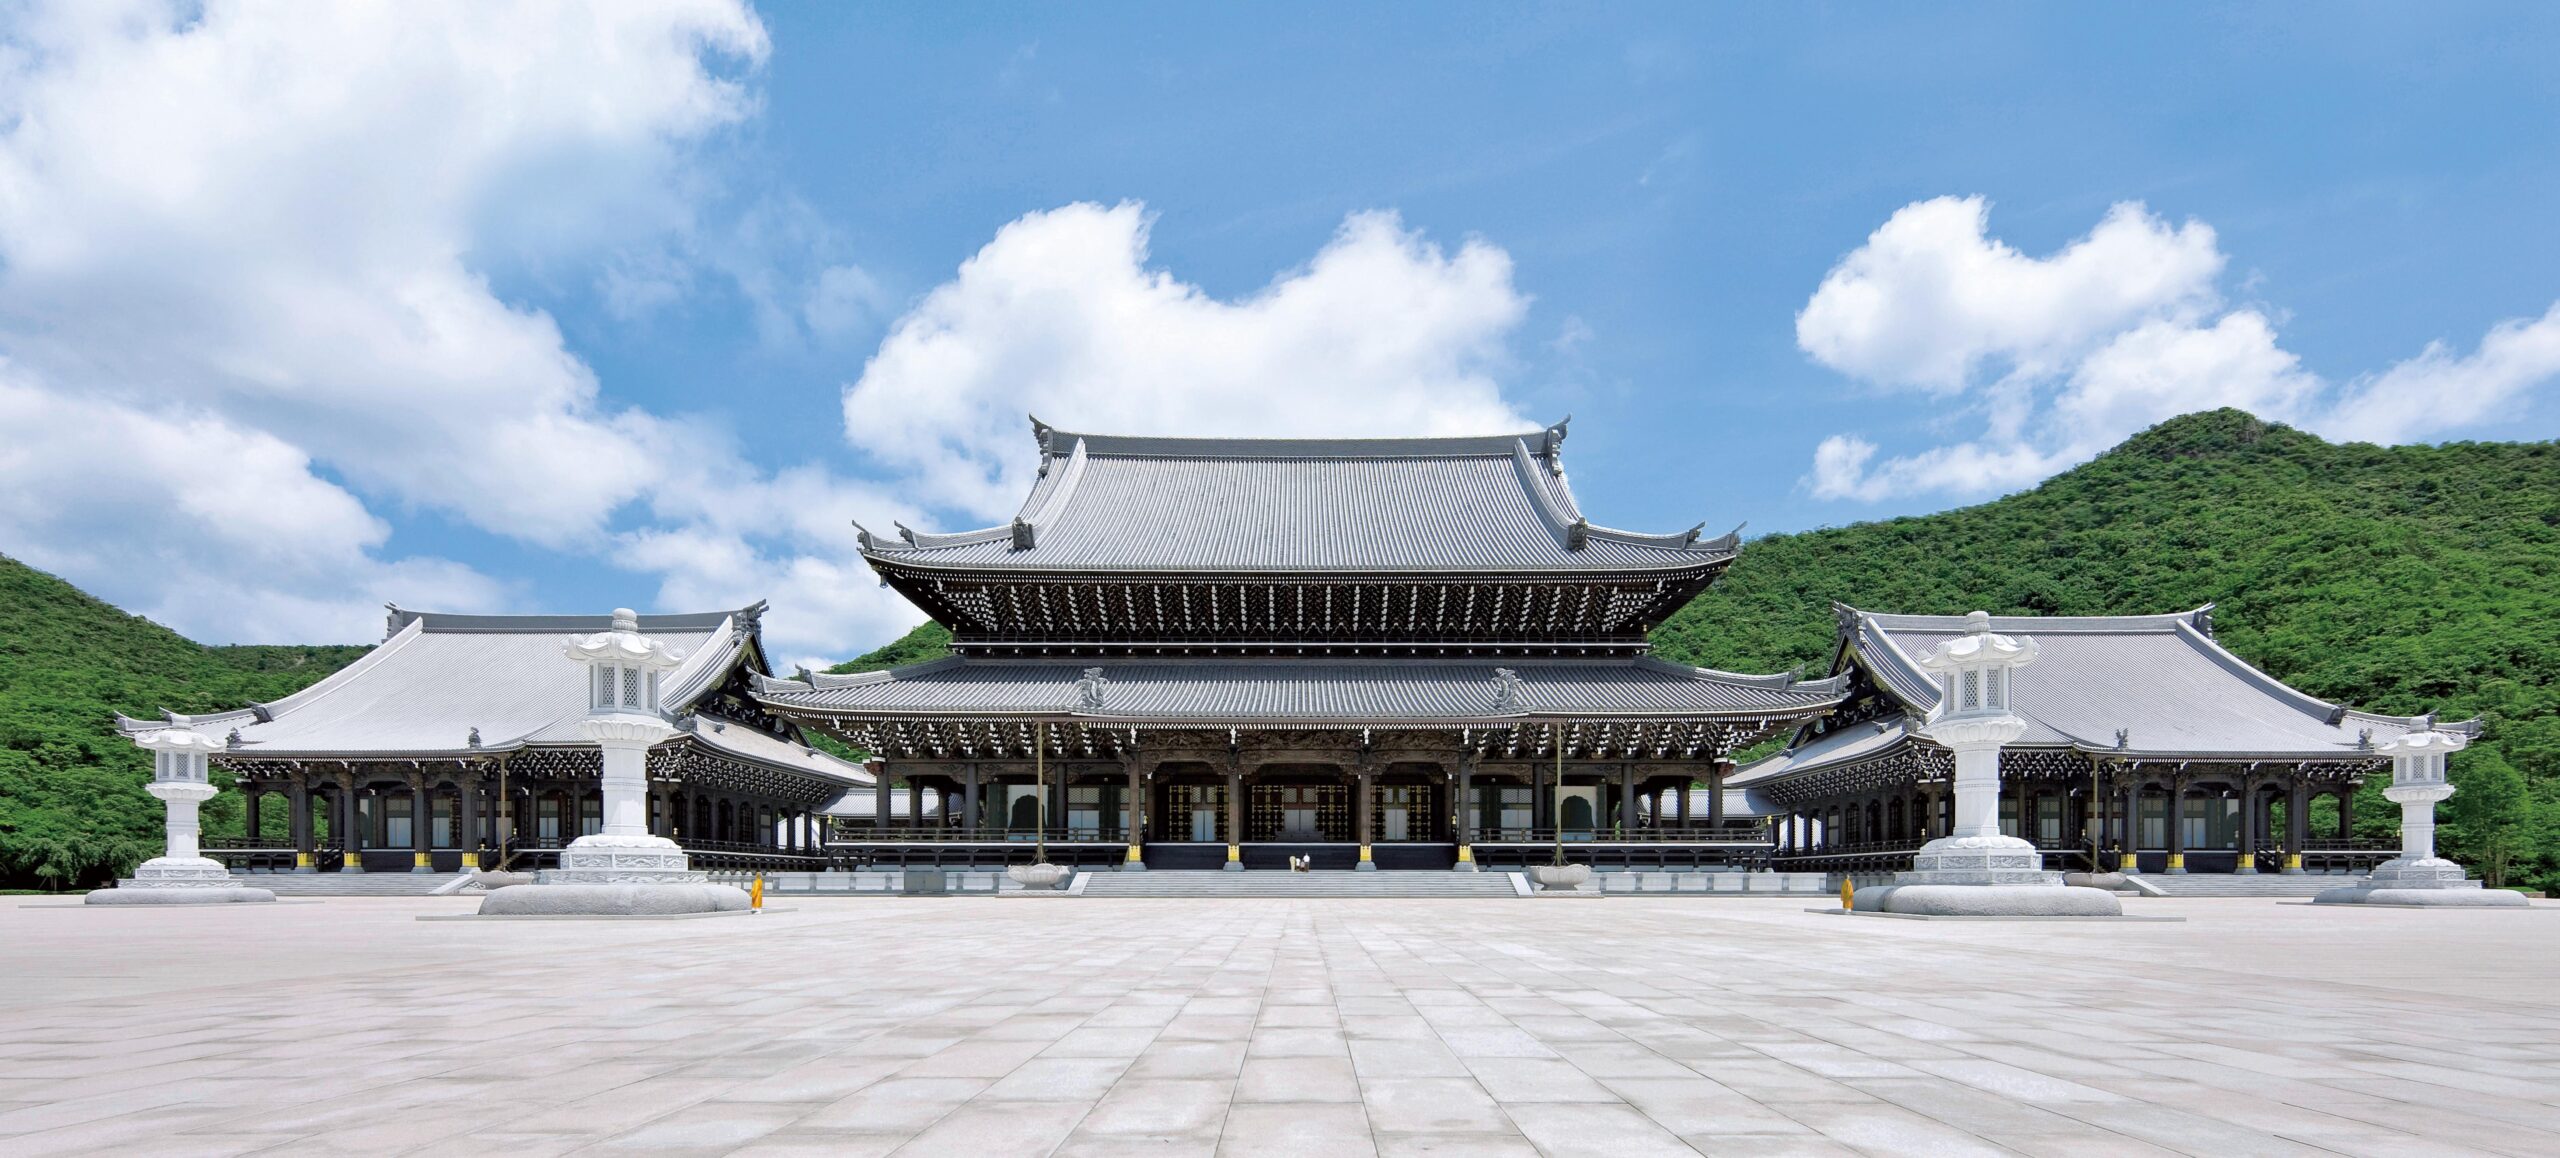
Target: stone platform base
(128, 895)
(2474, 897)
(2428, 883)
(1988, 901)
(652, 900)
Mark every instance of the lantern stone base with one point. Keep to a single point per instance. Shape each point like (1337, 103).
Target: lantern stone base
(2430, 882)
(1983, 876)
(179, 881)
(622, 860)
(616, 876)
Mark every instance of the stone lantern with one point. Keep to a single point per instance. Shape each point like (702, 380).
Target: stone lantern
(623, 869)
(1975, 870)
(2418, 876)
(182, 874)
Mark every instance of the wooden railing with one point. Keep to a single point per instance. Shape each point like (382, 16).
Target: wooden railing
(1731, 833)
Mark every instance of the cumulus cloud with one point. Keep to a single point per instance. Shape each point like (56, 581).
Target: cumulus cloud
(248, 320)
(1060, 315)
(245, 299)
(2065, 355)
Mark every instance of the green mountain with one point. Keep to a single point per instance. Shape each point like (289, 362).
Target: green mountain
(2402, 579)
(72, 809)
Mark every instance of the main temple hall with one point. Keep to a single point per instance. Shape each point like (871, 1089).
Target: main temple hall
(1331, 654)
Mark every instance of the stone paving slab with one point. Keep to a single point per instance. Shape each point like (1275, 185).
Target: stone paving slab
(1294, 1027)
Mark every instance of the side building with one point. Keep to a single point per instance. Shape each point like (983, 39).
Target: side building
(2149, 747)
(454, 744)
(1370, 653)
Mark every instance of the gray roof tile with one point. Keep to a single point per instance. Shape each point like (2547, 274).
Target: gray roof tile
(1114, 502)
(1283, 689)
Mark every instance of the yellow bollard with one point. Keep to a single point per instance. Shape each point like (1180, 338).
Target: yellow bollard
(1848, 889)
(755, 893)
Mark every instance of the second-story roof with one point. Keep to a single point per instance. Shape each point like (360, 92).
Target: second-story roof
(1122, 503)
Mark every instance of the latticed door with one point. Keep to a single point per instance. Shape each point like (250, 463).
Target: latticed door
(1196, 812)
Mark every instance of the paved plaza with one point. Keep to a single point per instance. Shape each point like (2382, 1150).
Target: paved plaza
(991, 1027)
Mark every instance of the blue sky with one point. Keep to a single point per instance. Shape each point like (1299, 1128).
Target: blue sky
(580, 333)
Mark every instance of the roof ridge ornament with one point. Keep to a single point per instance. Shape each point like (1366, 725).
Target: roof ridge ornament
(1577, 534)
(1090, 689)
(1510, 692)
(1040, 432)
(1025, 535)
(1554, 440)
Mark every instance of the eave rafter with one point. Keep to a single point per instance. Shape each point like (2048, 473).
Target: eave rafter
(1587, 612)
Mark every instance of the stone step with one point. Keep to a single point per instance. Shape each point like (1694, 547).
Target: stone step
(1183, 883)
(2260, 885)
(346, 884)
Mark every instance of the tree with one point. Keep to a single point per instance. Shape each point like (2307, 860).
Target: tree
(2490, 820)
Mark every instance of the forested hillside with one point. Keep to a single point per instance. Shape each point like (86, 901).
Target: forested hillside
(2401, 579)
(72, 808)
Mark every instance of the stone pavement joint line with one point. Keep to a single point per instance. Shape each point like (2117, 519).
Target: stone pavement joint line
(1297, 1027)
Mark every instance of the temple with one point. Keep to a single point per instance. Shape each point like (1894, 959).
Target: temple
(454, 745)
(1407, 653)
(2148, 747)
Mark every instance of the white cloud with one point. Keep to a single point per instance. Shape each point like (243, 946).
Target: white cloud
(2437, 391)
(2064, 356)
(1059, 315)
(247, 257)
(245, 292)
(1930, 298)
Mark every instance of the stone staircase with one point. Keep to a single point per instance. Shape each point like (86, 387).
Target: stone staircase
(2260, 885)
(347, 884)
(1177, 883)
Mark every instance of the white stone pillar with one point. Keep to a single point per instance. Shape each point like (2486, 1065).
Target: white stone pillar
(2418, 784)
(1975, 870)
(182, 874)
(624, 721)
(1976, 745)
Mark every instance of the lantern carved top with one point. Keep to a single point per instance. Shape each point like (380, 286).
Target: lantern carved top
(1974, 668)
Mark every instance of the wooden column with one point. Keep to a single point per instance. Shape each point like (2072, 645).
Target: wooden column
(1626, 800)
(2177, 833)
(466, 816)
(915, 802)
(969, 807)
(1715, 791)
(2248, 862)
(1135, 790)
(1235, 811)
(1364, 811)
(2346, 811)
(298, 805)
(880, 800)
(1463, 813)
(2132, 821)
(349, 827)
(2297, 821)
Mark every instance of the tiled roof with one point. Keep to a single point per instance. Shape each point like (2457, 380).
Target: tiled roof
(2162, 679)
(1313, 690)
(423, 690)
(1122, 503)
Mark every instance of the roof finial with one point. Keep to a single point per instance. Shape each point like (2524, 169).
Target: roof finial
(1977, 623)
(625, 619)
(1040, 432)
(2124, 738)
(474, 739)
